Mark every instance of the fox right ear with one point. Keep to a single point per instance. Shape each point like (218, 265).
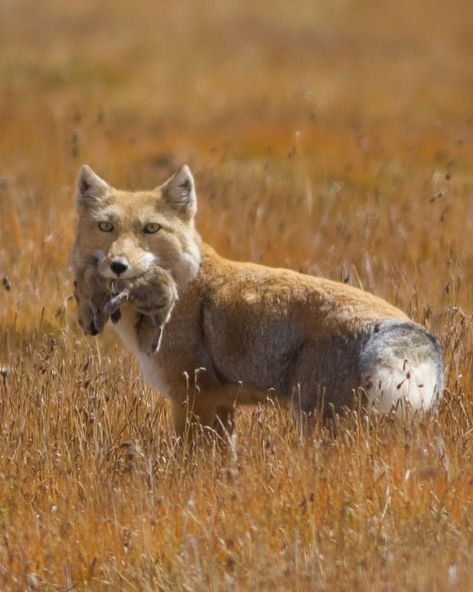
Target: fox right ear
(179, 192)
(90, 187)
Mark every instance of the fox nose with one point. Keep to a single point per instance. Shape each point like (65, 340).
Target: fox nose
(118, 266)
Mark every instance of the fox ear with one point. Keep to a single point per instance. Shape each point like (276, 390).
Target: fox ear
(90, 187)
(179, 192)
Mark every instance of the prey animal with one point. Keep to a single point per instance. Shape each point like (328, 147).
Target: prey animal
(153, 295)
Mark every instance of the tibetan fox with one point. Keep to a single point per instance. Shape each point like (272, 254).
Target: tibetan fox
(239, 332)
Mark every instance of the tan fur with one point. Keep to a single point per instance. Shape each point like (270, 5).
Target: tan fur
(239, 332)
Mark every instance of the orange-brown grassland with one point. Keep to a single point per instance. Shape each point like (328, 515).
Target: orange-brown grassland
(333, 138)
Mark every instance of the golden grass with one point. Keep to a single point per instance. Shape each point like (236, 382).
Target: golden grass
(334, 138)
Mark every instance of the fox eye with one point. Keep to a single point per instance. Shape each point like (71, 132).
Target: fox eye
(151, 228)
(106, 226)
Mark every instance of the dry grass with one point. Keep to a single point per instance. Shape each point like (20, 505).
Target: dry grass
(330, 137)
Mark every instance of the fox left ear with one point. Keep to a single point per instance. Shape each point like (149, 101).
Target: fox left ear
(179, 192)
(90, 187)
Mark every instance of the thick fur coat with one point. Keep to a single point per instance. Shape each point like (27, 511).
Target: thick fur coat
(241, 332)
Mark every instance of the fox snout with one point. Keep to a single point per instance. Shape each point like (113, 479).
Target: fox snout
(119, 266)
(114, 267)
(125, 266)
(125, 258)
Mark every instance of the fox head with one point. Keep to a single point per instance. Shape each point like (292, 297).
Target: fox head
(127, 232)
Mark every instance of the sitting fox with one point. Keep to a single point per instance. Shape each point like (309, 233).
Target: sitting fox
(152, 295)
(240, 332)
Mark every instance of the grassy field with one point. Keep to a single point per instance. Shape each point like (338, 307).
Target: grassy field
(334, 138)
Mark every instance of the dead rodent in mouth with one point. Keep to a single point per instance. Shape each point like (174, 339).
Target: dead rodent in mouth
(152, 294)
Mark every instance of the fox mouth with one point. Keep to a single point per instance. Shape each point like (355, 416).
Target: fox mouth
(123, 270)
(129, 274)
